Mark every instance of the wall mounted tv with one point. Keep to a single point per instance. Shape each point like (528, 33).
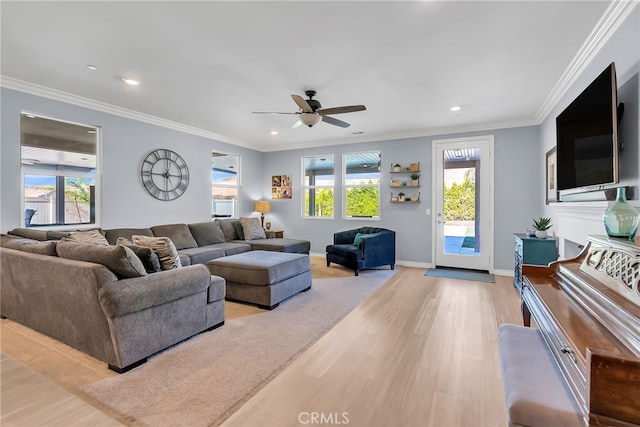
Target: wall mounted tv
(587, 136)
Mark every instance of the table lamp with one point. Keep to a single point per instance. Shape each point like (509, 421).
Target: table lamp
(263, 207)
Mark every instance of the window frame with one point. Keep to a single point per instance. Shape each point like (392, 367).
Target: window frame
(346, 187)
(305, 187)
(61, 175)
(237, 185)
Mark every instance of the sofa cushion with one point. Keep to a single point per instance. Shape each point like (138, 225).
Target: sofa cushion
(29, 233)
(148, 257)
(207, 233)
(179, 234)
(202, 255)
(237, 227)
(89, 236)
(259, 268)
(252, 229)
(229, 231)
(163, 247)
(113, 234)
(29, 245)
(293, 246)
(346, 251)
(119, 259)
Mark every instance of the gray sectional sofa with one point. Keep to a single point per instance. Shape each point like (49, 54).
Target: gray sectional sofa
(115, 308)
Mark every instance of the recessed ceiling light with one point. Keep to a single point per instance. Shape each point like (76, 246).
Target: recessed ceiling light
(456, 108)
(92, 67)
(274, 132)
(131, 82)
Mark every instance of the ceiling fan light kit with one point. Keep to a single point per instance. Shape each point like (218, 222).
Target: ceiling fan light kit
(311, 111)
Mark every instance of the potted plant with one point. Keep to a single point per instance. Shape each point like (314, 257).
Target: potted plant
(401, 197)
(396, 167)
(541, 225)
(415, 178)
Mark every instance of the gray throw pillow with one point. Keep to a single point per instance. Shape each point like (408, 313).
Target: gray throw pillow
(29, 245)
(207, 233)
(119, 259)
(237, 227)
(226, 225)
(148, 257)
(179, 234)
(163, 247)
(252, 228)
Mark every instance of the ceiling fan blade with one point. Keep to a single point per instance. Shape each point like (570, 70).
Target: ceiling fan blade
(295, 124)
(335, 122)
(304, 105)
(270, 112)
(340, 110)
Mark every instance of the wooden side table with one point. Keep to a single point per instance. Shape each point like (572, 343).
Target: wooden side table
(276, 233)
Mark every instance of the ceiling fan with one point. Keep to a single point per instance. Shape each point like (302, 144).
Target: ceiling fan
(311, 112)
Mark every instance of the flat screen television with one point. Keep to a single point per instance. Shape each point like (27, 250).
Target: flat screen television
(587, 136)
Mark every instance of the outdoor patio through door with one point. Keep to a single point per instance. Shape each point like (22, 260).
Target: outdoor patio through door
(463, 203)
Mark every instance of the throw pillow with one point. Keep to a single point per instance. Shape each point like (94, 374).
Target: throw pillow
(148, 257)
(179, 234)
(119, 259)
(29, 245)
(238, 229)
(90, 236)
(163, 247)
(207, 233)
(356, 241)
(252, 228)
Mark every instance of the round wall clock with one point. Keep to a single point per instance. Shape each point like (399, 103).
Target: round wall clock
(164, 174)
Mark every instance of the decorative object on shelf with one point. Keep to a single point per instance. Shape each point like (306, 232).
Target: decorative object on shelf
(415, 178)
(263, 207)
(541, 225)
(396, 167)
(552, 189)
(164, 174)
(621, 219)
(281, 187)
(401, 197)
(413, 167)
(415, 197)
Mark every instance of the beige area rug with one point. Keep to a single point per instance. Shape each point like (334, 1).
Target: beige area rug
(202, 381)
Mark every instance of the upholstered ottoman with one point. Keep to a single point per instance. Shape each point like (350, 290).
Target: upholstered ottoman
(264, 278)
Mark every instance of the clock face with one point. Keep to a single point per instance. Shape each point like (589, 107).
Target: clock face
(165, 174)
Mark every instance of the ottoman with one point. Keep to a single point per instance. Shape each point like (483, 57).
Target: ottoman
(264, 278)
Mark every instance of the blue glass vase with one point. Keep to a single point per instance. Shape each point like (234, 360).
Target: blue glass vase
(621, 219)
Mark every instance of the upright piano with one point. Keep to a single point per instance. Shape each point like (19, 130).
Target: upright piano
(588, 312)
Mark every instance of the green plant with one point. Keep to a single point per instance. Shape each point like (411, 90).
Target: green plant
(415, 176)
(400, 194)
(397, 165)
(542, 223)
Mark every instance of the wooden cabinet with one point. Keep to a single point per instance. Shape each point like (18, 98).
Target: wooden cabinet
(402, 179)
(531, 250)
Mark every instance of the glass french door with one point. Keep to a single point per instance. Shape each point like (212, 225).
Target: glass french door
(463, 203)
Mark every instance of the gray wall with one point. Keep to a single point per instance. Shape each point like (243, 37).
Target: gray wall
(516, 180)
(124, 144)
(623, 48)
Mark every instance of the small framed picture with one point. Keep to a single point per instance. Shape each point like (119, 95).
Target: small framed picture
(551, 187)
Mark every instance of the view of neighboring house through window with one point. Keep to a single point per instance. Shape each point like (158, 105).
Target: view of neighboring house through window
(362, 185)
(318, 176)
(59, 170)
(225, 185)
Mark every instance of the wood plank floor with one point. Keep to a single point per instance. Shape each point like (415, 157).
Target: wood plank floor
(421, 351)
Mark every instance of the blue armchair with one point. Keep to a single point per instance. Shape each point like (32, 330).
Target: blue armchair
(375, 247)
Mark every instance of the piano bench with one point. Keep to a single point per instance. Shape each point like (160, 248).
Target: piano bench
(535, 392)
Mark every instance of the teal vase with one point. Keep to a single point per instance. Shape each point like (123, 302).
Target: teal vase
(621, 219)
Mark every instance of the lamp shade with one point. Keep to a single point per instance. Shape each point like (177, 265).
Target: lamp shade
(262, 206)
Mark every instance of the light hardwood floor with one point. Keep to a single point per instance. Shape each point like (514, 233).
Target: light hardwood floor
(420, 351)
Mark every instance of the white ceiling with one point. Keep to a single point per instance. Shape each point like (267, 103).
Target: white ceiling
(207, 65)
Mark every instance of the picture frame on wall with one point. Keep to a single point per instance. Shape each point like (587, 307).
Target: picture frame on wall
(551, 174)
(281, 187)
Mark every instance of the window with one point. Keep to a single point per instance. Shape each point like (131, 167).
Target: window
(362, 185)
(59, 170)
(318, 182)
(225, 185)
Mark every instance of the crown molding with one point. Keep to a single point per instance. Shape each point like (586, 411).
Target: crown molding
(69, 98)
(611, 20)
